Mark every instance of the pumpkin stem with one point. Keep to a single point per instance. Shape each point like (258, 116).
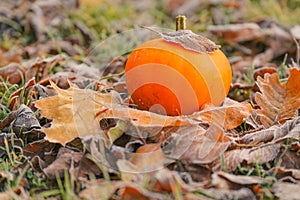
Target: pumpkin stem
(180, 22)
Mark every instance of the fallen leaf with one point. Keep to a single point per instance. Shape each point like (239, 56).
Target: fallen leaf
(78, 112)
(243, 193)
(148, 158)
(10, 142)
(136, 192)
(286, 191)
(5, 196)
(170, 181)
(41, 153)
(260, 154)
(289, 130)
(74, 114)
(23, 92)
(234, 33)
(189, 40)
(239, 179)
(197, 145)
(40, 67)
(281, 173)
(21, 121)
(290, 159)
(99, 189)
(295, 31)
(278, 101)
(229, 115)
(11, 56)
(12, 73)
(72, 161)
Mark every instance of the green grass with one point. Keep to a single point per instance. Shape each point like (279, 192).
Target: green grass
(283, 11)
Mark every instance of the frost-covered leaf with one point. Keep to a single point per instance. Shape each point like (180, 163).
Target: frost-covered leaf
(278, 101)
(286, 190)
(276, 134)
(189, 40)
(229, 115)
(77, 113)
(260, 154)
(197, 145)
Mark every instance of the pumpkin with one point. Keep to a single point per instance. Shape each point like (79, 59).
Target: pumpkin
(177, 74)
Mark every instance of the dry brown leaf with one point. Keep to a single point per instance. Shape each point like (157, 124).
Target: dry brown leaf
(72, 161)
(12, 73)
(290, 130)
(283, 173)
(5, 196)
(148, 158)
(77, 113)
(243, 193)
(278, 101)
(233, 33)
(229, 115)
(189, 40)
(239, 179)
(295, 31)
(137, 192)
(259, 155)
(73, 114)
(99, 189)
(286, 191)
(196, 145)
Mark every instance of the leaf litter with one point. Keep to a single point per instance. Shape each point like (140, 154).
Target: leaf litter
(64, 118)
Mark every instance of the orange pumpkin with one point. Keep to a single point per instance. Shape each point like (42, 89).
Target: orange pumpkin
(170, 78)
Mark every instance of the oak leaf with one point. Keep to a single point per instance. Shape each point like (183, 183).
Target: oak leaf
(278, 101)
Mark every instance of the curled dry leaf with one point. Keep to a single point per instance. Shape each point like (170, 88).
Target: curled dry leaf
(283, 173)
(12, 73)
(239, 179)
(278, 101)
(20, 121)
(276, 134)
(261, 154)
(41, 153)
(229, 115)
(243, 193)
(148, 158)
(233, 33)
(189, 40)
(74, 162)
(99, 189)
(196, 145)
(286, 190)
(16, 101)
